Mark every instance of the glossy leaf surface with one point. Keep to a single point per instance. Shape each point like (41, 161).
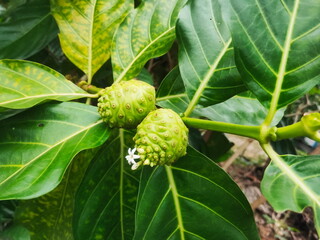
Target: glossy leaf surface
(106, 200)
(147, 32)
(38, 145)
(27, 32)
(87, 28)
(295, 185)
(245, 110)
(193, 199)
(241, 109)
(277, 47)
(206, 59)
(171, 93)
(50, 216)
(25, 84)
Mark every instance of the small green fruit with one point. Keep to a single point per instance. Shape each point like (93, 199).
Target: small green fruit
(125, 104)
(161, 138)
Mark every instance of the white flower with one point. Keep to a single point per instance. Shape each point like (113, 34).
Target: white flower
(131, 156)
(135, 166)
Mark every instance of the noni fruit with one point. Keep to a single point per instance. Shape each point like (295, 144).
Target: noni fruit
(161, 138)
(126, 104)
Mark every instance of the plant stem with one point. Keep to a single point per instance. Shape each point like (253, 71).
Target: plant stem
(308, 126)
(242, 130)
(88, 87)
(291, 131)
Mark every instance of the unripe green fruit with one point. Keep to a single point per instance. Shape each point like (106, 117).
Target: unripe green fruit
(161, 138)
(125, 104)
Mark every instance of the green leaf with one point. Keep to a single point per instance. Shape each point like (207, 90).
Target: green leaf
(147, 32)
(6, 112)
(193, 199)
(206, 59)
(292, 183)
(87, 28)
(27, 32)
(106, 200)
(171, 93)
(25, 84)
(15, 232)
(50, 216)
(241, 109)
(278, 62)
(38, 145)
(145, 76)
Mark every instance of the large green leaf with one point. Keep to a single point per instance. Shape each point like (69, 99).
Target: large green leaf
(292, 183)
(38, 145)
(106, 199)
(50, 216)
(242, 109)
(206, 59)
(277, 47)
(24, 84)
(26, 32)
(193, 199)
(147, 32)
(87, 28)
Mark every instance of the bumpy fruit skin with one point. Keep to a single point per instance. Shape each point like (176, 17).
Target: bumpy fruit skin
(126, 104)
(161, 138)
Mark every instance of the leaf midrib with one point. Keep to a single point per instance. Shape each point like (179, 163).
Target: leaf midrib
(124, 72)
(285, 169)
(176, 201)
(90, 47)
(121, 136)
(282, 66)
(44, 95)
(206, 79)
(47, 150)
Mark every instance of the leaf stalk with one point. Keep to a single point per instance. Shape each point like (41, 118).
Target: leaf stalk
(309, 126)
(242, 130)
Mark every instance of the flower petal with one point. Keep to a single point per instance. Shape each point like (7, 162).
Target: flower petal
(135, 156)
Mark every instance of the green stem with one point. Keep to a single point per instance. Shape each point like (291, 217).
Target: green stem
(242, 130)
(291, 131)
(309, 126)
(88, 87)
